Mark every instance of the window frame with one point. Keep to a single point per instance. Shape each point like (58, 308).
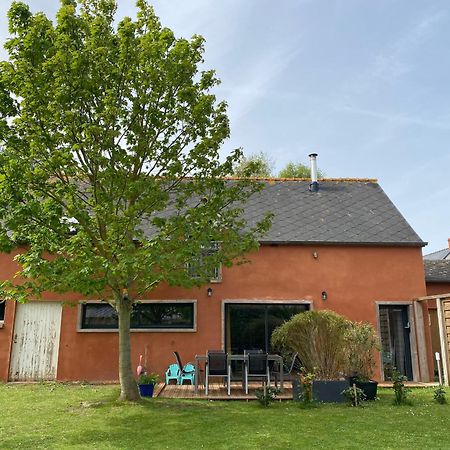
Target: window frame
(246, 301)
(214, 247)
(193, 302)
(2, 318)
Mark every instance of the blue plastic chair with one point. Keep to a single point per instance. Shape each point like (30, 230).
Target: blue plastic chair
(188, 374)
(173, 373)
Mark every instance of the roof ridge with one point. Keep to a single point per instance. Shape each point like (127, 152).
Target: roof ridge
(438, 251)
(349, 180)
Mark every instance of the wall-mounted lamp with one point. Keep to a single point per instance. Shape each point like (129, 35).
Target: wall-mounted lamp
(209, 292)
(324, 295)
(315, 255)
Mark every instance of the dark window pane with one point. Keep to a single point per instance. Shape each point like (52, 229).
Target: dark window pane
(99, 315)
(143, 316)
(250, 326)
(163, 315)
(2, 310)
(246, 325)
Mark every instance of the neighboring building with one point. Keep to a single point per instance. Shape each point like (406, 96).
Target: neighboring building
(437, 271)
(345, 248)
(440, 255)
(437, 277)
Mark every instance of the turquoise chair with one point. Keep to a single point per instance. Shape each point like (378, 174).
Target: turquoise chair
(173, 373)
(188, 373)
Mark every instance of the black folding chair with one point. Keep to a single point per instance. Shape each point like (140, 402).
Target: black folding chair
(288, 374)
(217, 366)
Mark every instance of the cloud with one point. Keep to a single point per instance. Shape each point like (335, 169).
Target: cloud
(390, 64)
(395, 118)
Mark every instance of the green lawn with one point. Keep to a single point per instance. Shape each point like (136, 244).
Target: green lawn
(76, 416)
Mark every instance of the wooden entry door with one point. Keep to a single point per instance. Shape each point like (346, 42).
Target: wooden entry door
(35, 346)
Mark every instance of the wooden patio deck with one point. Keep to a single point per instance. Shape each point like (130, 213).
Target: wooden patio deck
(217, 391)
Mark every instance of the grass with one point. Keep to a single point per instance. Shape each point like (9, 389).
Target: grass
(56, 416)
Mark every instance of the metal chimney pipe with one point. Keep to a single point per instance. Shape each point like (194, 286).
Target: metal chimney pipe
(314, 186)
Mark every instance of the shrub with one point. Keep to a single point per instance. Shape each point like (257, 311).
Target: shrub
(306, 383)
(319, 338)
(439, 395)
(151, 378)
(354, 396)
(362, 341)
(266, 395)
(400, 390)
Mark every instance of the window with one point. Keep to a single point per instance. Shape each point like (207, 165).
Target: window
(250, 325)
(196, 270)
(2, 310)
(163, 315)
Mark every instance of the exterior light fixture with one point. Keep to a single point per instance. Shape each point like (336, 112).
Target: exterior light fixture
(324, 295)
(315, 255)
(209, 292)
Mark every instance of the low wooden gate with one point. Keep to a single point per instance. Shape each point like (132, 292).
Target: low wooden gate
(35, 346)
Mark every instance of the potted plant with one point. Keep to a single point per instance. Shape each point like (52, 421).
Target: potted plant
(362, 342)
(319, 339)
(146, 383)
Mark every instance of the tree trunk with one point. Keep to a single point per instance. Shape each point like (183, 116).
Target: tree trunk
(128, 387)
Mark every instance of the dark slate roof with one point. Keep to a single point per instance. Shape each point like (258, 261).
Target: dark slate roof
(439, 255)
(437, 271)
(342, 212)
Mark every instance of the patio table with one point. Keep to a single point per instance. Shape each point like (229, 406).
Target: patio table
(237, 357)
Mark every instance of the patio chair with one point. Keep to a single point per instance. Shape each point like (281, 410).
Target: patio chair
(186, 372)
(256, 366)
(173, 373)
(287, 370)
(217, 366)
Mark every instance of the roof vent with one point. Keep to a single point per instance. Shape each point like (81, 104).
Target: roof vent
(314, 186)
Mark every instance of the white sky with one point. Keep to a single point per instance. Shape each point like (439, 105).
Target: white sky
(363, 83)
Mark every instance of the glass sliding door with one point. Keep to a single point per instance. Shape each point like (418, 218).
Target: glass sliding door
(249, 326)
(395, 340)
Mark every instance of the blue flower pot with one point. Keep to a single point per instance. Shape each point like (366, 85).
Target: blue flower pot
(146, 390)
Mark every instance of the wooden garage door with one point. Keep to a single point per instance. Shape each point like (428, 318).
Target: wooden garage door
(36, 341)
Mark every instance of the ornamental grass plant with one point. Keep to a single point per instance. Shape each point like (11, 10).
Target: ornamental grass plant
(319, 337)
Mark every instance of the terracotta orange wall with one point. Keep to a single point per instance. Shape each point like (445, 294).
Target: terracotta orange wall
(353, 277)
(437, 288)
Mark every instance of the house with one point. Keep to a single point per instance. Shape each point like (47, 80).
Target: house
(340, 244)
(437, 278)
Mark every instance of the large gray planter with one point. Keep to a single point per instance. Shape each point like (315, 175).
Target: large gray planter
(323, 391)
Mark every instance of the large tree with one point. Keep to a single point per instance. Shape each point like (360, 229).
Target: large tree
(298, 170)
(260, 165)
(110, 177)
(257, 165)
